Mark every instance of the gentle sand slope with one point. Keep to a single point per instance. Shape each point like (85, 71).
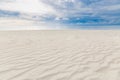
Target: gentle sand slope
(60, 55)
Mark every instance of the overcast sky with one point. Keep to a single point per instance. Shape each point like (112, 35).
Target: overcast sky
(73, 12)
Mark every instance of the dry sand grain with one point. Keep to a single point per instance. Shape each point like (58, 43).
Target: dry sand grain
(60, 55)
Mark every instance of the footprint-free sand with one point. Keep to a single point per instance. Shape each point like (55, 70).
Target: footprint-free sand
(60, 55)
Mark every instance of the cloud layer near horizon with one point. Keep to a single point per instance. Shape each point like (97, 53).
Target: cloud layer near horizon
(80, 12)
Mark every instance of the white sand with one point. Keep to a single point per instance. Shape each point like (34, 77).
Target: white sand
(60, 55)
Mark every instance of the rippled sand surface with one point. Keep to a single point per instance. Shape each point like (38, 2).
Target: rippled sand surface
(60, 55)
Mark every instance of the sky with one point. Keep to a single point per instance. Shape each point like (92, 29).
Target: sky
(63, 12)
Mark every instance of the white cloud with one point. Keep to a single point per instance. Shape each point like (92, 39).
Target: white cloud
(14, 22)
(27, 6)
(112, 7)
(91, 10)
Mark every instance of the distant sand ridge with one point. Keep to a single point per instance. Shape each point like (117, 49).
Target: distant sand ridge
(60, 55)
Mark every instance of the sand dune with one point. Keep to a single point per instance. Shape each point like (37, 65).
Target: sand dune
(60, 55)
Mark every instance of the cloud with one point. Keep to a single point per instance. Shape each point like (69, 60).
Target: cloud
(26, 6)
(4, 13)
(82, 12)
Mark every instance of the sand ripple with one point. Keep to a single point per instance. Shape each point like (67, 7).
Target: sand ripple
(60, 55)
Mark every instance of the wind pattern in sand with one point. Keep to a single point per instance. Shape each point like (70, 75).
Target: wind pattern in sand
(60, 55)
